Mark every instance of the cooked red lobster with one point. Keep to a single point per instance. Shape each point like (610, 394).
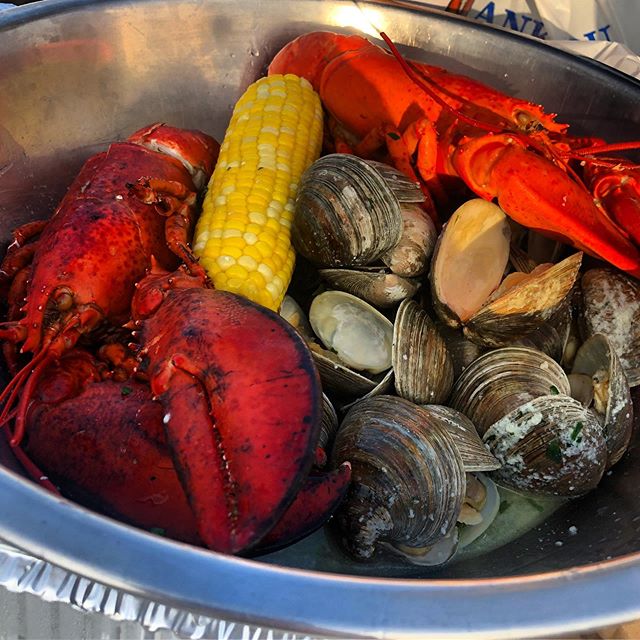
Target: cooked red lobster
(239, 395)
(435, 126)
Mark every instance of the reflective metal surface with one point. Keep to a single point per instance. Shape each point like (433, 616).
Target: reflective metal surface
(76, 75)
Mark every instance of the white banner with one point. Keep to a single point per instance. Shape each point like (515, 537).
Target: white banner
(606, 30)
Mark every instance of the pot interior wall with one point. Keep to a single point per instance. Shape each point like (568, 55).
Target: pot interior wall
(74, 77)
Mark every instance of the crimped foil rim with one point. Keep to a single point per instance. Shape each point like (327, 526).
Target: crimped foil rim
(25, 574)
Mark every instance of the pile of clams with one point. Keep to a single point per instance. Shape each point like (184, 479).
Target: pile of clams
(453, 362)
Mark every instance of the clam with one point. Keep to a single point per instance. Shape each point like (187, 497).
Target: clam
(421, 362)
(328, 425)
(359, 334)
(479, 510)
(524, 302)
(503, 379)
(347, 211)
(551, 445)
(408, 479)
(292, 312)
(377, 286)
(553, 336)
(410, 257)
(343, 383)
(611, 306)
(607, 392)
(469, 260)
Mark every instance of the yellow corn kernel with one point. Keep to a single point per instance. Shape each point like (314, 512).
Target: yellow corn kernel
(243, 234)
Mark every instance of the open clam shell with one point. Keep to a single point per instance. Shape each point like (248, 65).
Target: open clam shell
(486, 506)
(610, 396)
(523, 303)
(503, 379)
(551, 445)
(475, 454)
(408, 479)
(359, 334)
(421, 362)
(346, 213)
(611, 306)
(374, 285)
(469, 260)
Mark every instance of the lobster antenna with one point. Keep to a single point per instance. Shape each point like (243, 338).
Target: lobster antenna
(27, 393)
(14, 387)
(630, 145)
(423, 83)
(32, 469)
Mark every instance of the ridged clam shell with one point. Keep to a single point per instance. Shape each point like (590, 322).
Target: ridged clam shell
(552, 336)
(551, 445)
(475, 454)
(503, 379)
(611, 305)
(525, 307)
(408, 480)
(421, 362)
(329, 423)
(377, 287)
(346, 214)
(612, 397)
(410, 257)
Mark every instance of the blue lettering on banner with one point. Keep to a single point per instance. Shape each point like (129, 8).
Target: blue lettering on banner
(512, 20)
(593, 35)
(487, 13)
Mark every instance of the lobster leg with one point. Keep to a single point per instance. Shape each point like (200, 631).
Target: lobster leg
(242, 407)
(176, 202)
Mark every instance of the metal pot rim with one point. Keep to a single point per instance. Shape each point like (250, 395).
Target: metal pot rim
(136, 562)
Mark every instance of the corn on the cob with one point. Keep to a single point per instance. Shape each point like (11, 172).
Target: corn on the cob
(243, 234)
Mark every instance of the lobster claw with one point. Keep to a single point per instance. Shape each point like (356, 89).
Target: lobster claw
(536, 193)
(619, 191)
(242, 405)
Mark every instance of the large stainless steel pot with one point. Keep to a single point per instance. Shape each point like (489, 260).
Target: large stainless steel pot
(75, 75)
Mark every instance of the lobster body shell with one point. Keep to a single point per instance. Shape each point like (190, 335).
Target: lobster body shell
(104, 234)
(435, 126)
(100, 241)
(128, 207)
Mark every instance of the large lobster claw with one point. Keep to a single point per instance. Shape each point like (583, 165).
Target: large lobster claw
(103, 443)
(536, 193)
(242, 406)
(618, 188)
